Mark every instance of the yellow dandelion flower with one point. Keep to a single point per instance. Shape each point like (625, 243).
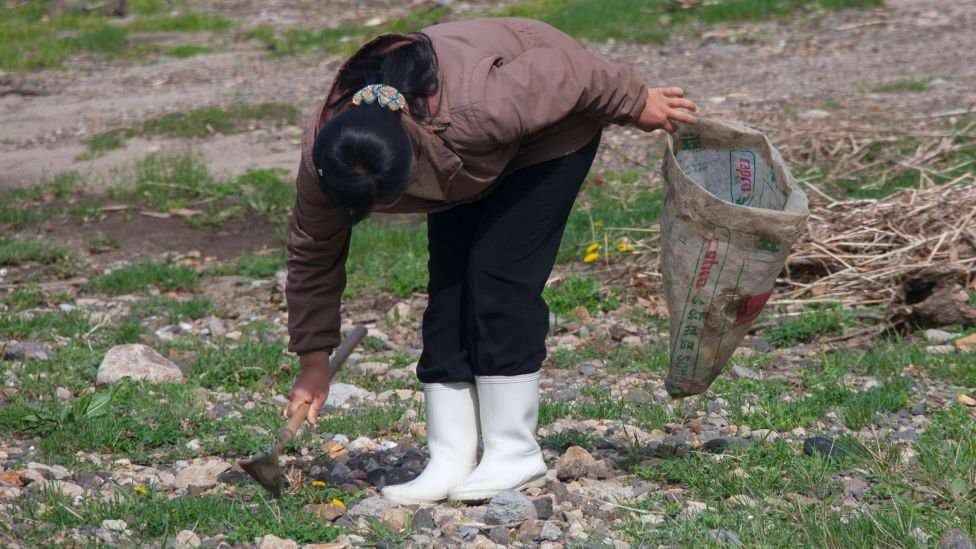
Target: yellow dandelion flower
(591, 257)
(592, 248)
(597, 224)
(625, 246)
(318, 484)
(140, 489)
(337, 501)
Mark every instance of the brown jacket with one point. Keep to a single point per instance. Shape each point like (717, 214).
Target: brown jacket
(513, 92)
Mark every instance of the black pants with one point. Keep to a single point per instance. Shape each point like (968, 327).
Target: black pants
(489, 261)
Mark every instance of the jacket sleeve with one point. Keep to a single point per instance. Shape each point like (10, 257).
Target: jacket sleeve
(550, 81)
(318, 244)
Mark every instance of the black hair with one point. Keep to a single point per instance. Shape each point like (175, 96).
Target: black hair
(364, 155)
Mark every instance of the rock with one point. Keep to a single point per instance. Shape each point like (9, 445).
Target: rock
(396, 519)
(11, 477)
(69, 489)
(814, 114)
(201, 475)
(371, 369)
(966, 343)
(725, 537)
(499, 535)
(62, 394)
(854, 487)
(340, 393)
(574, 463)
(742, 500)
(186, 539)
(565, 395)
(374, 507)
(274, 542)
(918, 409)
(56, 472)
(955, 539)
(692, 508)
(327, 511)
(9, 493)
(940, 349)
(423, 518)
(445, 515)
(543, 507)
(509, 507)
(800, 499)
(721, 445)
(530, 531)
(23, 350)
(639, 396)
(826, 447)
(139, 362)
(467, 533)
(550, 532)
(114, 525)
(939, 336)
(966, 400)
(588, 368)
(741, 372)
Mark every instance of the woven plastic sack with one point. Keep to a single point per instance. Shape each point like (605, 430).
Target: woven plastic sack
(731, 212)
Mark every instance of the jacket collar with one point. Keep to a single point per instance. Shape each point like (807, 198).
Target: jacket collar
(432, 156)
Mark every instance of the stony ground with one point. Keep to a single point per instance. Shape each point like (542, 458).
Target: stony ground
(801, 442)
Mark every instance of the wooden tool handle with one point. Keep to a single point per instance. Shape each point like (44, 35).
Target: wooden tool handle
(343, 351)
(340, 355)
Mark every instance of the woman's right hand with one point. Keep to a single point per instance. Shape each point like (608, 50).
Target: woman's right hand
(663, 107)
(311, 386)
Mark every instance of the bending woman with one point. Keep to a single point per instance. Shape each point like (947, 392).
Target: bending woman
(490, 127)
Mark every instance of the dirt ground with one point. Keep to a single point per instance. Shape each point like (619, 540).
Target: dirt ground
(828, 62)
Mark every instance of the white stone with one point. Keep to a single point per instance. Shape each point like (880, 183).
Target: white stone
(186, 539)
(340, 393)
(939, 336)
(274, 542)
(693, 508)
(69, 489)
(139, 362)
(814, 114)
(201, 475)
(114, 525)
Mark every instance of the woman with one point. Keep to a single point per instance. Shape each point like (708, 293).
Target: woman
(489, 126)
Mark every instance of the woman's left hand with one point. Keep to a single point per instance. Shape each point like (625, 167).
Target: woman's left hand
(665, 106)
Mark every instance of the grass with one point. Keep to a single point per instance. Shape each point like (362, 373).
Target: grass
(196, 123)
(23, 208)
(18, 251)
(34, 37)
(154, 516)
(173, 310)
(808, 325)
(259, 265)
(580, 291)
(29, 297)
(340, 40)
(652, 20)
(141, 277)
(904, 85)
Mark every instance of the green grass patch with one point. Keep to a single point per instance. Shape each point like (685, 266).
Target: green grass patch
(807, 326)
(27, 207)
(652, 20)
(18, 251)
(29, 297)
(247, 366)
(196, 123)
(905, 85)
(261, 265)
(863, 408)
(173, 310)
(580, 291)
(389, 257)
(340, 40)
(34, 36)
(188, 50)
(44, 326)
(141, 277)
(155, 516)
(559, 442)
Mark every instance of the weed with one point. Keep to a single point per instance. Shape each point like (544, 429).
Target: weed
(906, 85)
(889, 397)
(30, 297)
(244, 367)
(562, 440)
(384, 256)
(580, 291)
(173, 310)
(44, 325)
(188, 50)
(260, 265)
(143, 276)
(807, 326)
(27, 207)
(18, 251)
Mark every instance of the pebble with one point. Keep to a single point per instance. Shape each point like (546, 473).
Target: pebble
(396, 519)
(721, 445)
(23, 350)
(62, 394)
(139, 362)
(741, 372)
(341, 393)
(954, 538)
(814, 114)
(423, 518)
(373, 507)
(575, 463)
(543, 507)
(940, 349)
(825, 447)
(69, 489)
(201, 475)
(186, 539)
(639, 396)
(725, 537)
(274, 542)
(693, 508)
(939, 336)
(499, 535)
(550, 532)
(372, 369)
(742, 500)
(509, 507)
(327, 511)
(114, 525)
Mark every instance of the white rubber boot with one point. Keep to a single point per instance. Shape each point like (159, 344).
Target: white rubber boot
(512, 460)
(452, 439)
